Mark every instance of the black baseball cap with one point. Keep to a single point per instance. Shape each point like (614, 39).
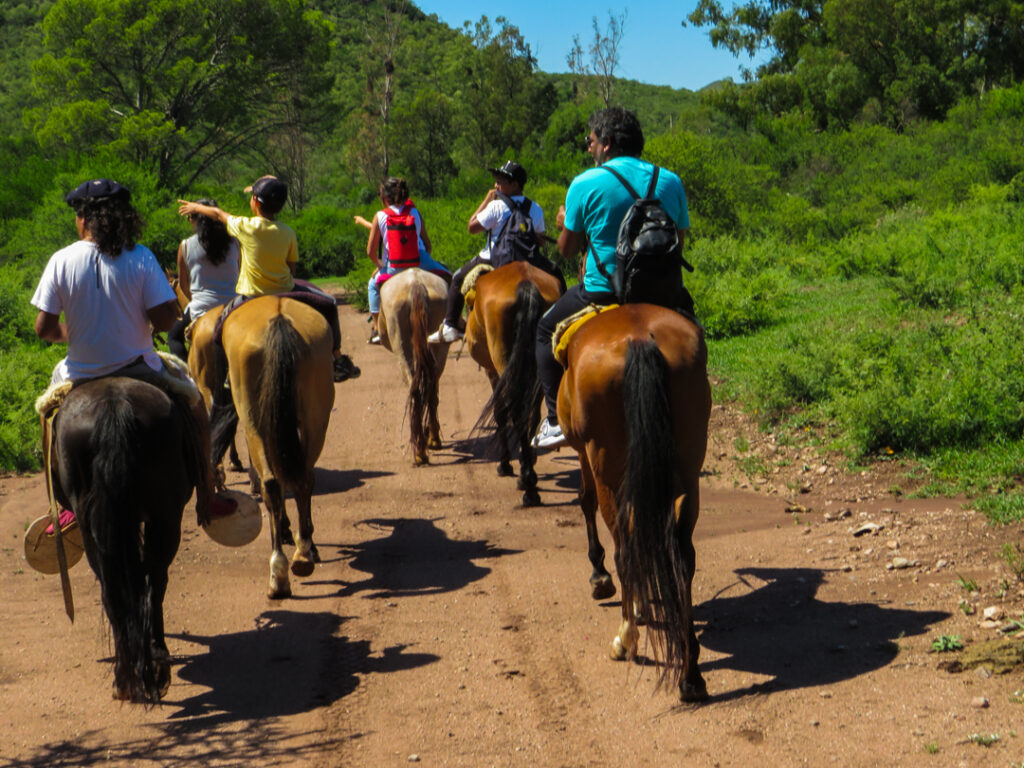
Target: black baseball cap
(511, 170)
(97, 189)
(270, 191)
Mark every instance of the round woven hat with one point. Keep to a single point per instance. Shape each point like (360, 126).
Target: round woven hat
(240, 527)
(41, 547)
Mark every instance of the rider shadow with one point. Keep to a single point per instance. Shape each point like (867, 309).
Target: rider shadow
(414, 558)
(327, 481)
(290, 663)
(781, 631)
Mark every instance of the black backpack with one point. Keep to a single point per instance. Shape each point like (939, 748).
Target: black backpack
(515, 240)
(648, 253)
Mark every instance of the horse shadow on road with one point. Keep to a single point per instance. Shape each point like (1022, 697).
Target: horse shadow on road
(779, 629)
(340, 480)
(224, 702)
(414, 557)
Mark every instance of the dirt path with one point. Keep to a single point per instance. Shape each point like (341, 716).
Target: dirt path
(448, 626)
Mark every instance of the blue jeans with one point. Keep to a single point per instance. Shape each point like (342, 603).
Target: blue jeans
(373, 290)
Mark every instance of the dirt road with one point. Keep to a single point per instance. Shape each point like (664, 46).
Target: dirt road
(447, 626)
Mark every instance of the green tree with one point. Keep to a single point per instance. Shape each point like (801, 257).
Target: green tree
(421, 136)
(175, 85)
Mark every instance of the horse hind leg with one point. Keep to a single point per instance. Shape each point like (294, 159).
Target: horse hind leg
(279, 587)
(691, 685)
(305, 557)
(601, 585)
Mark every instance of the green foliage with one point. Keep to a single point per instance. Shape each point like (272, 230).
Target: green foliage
(174, 85)
(947, 643)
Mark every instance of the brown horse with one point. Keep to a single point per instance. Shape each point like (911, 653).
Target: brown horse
(123, 461)
(500, 334)
(635, 404)
(280, 369)
(411, 303)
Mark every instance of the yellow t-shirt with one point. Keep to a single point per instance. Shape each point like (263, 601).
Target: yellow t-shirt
(267, 248)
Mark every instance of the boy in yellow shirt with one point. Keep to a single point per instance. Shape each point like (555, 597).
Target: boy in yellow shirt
(269, 251)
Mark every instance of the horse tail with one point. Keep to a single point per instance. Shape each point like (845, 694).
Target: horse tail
(423, 388)
(276, 416)
(111, 514)
(650, 562)
(517, 392)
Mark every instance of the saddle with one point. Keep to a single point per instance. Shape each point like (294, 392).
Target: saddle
(315, 298)
(469, 283)
(565, 330)
(383, 277)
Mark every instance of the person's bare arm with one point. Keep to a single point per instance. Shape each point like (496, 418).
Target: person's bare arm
(362, 222)
(163, 316)
(682, 237)
(187, 208)
(570, 243)
(50, 328)
(184, 279)
(475, 227)
(373, 245)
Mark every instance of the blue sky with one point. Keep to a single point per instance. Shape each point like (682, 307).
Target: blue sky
(655, 49)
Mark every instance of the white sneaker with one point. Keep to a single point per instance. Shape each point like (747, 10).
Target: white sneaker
(444, 335)
(548, 436)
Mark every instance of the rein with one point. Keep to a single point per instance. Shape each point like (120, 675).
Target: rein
(62, 562)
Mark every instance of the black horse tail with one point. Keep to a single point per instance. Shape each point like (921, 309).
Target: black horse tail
(517, 392)
(276, 413)
(650, 561)
(423, 389)
(111, 514)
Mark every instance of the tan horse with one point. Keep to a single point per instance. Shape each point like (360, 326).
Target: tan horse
(635, 404)
(411, 303)
(501, 335)
(279, 366)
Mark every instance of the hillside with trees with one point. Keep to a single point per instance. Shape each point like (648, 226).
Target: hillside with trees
(855, 204)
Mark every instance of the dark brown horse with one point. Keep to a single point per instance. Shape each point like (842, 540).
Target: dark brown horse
(635, 404)
(500, 334)
(124, 462)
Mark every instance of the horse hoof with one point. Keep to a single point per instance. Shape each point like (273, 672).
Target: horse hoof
(505, 469)
(435, 444)
(279, 593)
(602, 588)
(618, 651)
(531, 499)
(420, 461)
(303, 567)
(693, 692)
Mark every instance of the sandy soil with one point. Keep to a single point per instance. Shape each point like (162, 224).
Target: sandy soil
(447, 626)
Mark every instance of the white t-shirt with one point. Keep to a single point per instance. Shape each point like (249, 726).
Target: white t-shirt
(493, 216)
(104, 302)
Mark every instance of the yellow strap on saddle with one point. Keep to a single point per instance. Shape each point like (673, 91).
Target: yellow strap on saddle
(564, 331)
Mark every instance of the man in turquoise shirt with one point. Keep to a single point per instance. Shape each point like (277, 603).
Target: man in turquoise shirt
(594, 207)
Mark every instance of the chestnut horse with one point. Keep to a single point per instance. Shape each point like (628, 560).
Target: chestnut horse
(411, 303)
(501, 335)
(279, 363)
(635, 404)
(125, 461)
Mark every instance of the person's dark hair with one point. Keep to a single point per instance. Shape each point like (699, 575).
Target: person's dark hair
(394, 191)
(112, 223)
(620, 129)
(213, 235)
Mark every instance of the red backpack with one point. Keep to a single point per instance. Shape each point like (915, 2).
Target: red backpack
(403, 242)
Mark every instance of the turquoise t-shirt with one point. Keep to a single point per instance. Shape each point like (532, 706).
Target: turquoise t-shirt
(597, 201)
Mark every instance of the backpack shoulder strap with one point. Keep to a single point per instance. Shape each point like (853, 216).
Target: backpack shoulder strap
(625, 183)
(653, 186)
